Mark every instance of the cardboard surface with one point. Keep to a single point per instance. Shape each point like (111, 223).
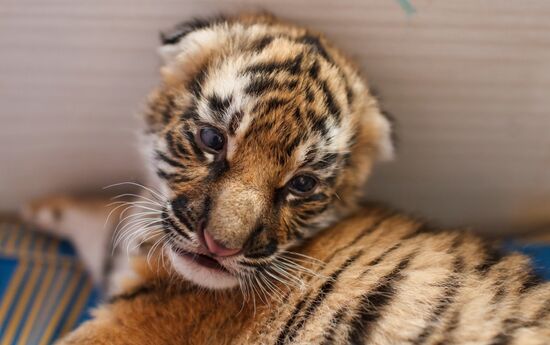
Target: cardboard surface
(468, 82)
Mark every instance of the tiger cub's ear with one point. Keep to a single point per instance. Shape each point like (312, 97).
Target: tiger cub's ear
(174, 35)
(377, 132)
(173, 41)
(387, 137)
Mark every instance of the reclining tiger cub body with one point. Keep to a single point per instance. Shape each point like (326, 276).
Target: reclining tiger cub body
(261, 137)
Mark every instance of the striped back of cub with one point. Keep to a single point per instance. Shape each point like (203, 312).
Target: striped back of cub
(381, 278)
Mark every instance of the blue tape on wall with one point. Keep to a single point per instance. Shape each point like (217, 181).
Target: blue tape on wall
(406, 6)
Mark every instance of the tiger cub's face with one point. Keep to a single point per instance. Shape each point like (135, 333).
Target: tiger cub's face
(261, 134)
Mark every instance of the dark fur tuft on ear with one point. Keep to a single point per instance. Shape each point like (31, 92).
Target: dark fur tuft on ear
(181, 30)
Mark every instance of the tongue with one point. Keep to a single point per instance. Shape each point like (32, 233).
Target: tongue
(208, 262)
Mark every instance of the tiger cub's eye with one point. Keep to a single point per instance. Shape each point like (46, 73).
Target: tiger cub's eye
(211, 139)
(302, 184)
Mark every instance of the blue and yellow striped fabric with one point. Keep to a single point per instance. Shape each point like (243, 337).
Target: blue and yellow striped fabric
(44, 289)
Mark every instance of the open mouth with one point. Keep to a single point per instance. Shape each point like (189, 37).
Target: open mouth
(203, 260)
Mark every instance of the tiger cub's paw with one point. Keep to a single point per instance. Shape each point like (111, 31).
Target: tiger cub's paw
(48, 214)
(65, 215)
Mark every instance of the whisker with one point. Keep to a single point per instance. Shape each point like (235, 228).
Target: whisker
(261, 289)
(134, 222)
(138, 215)
(121, 204)
(134, 228)
(151, 232)
(278, 278)
(145, 202)
(253, 292)
(132, 205)
(286, 252)
(155, 245)
(136, 205)
(139, 196)
(158, 194)
(272, 287)
(292, 264)
(290, 278)
(145, 236)
(301, 269)
(121, 214)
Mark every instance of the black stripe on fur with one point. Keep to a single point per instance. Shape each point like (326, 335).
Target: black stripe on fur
(373, 302)
(289, 332)
(181, 30)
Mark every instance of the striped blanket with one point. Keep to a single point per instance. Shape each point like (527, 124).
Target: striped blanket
(44, 290)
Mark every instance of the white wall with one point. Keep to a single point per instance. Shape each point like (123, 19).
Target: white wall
(467, 80)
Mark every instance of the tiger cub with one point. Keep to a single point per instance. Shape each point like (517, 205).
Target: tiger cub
(260, 137)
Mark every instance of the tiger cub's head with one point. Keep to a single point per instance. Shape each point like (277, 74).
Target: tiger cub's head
(261, 134)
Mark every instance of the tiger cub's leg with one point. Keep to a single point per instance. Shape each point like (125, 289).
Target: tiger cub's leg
(89, 223)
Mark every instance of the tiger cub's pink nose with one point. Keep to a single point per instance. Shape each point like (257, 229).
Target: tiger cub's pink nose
(217, 248)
